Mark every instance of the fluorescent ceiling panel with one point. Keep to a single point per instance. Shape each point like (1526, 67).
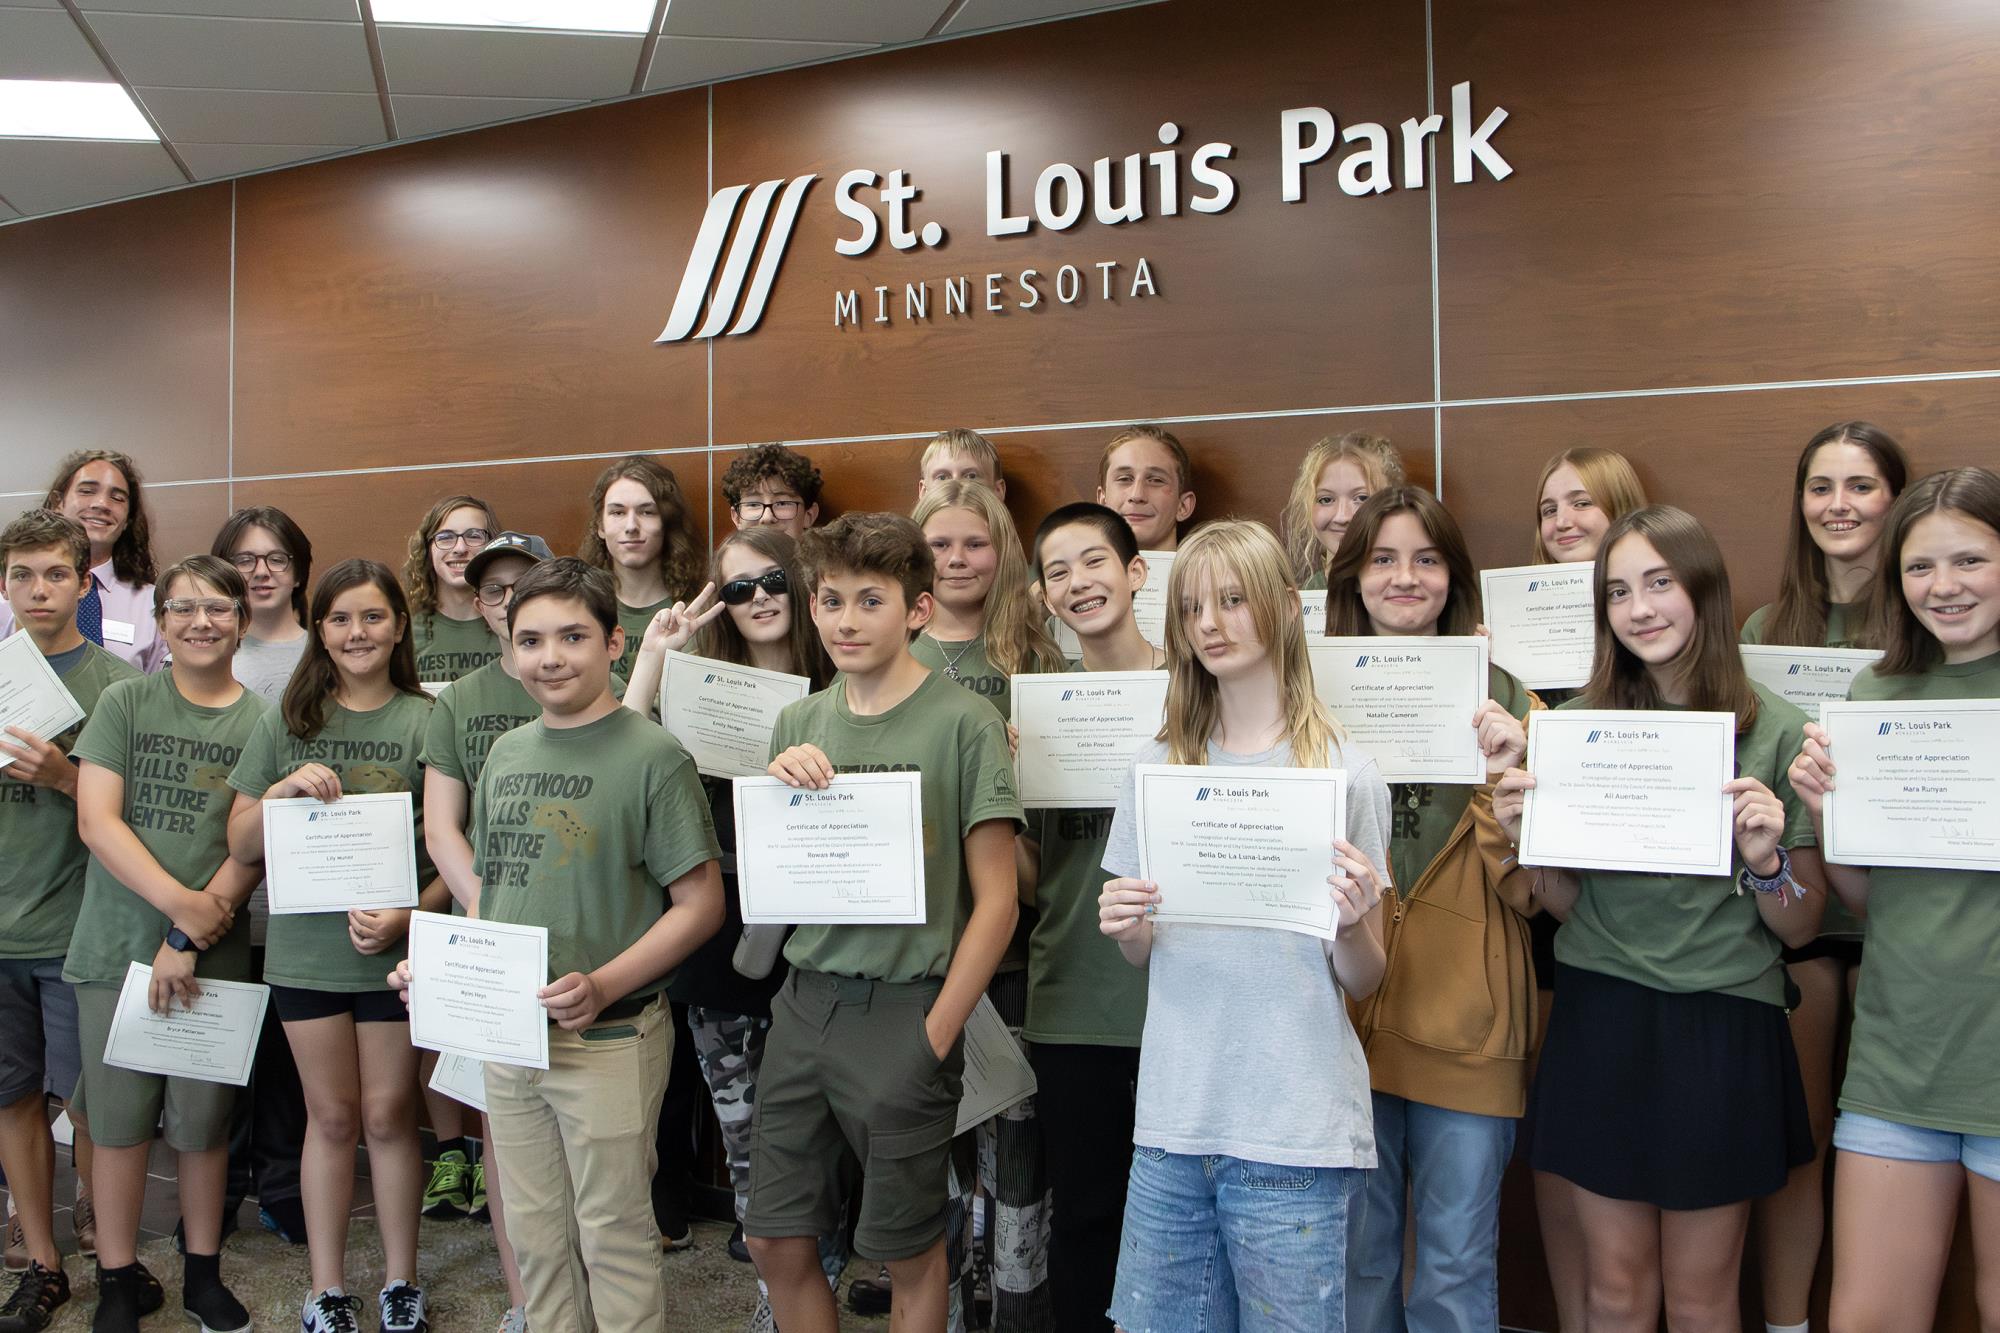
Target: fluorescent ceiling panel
(549, 15)
(66, 109)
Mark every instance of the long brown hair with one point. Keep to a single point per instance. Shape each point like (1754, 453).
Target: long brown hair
(1017, 639)
(1247, 554)
(1908, 647)
(419, 579)
(132, 553)
(315, 678)
(1381, 466)
(1799, 615)
(723, 641)
(1710, 666)
(680, 558)
(1346, 614)
(1609, 477)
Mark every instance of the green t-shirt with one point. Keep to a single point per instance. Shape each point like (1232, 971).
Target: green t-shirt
(975, 673)
(1081, 991)
(635, 619)
(448, 649)
(176, 758)
(473, 712)
(1843, 626)
(1423, 814)
(1692, 933)
(960, 746)
(1926, 1045)
(377, 751)
(41, 856)
(1315, 583)
(580, 829)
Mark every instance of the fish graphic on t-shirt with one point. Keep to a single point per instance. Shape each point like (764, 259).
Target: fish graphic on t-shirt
(570, 830)
(372, 778)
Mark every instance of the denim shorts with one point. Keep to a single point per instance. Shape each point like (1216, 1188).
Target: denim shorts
(1220, 1244)
(1874, 1137)
(39, 1050)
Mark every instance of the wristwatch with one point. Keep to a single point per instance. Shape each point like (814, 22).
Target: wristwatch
(178, 941)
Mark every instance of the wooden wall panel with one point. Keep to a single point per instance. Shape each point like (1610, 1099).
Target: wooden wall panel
(114, 334)
(1268, 306)
(1713, 193)
(491, 295)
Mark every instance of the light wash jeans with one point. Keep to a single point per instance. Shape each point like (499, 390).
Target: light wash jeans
(1220, 1244)
(1451, 1163)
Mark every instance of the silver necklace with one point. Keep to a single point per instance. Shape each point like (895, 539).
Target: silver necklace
(951, 660)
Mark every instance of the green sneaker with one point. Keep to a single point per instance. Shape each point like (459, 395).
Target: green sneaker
(476, 1196)
(445, 1196)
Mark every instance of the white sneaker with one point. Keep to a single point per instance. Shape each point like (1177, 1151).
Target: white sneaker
(403, 1309)
(332, 1311)
(515, 1320)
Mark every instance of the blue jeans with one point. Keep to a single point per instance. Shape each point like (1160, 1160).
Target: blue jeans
(1451, 1163)
(1219, 1244)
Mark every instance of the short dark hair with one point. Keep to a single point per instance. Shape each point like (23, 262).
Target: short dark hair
(787, 466)
(213, 570)
(290, 536)
(886, 544)
(1114, 529)
(568, 576)
(39, 529)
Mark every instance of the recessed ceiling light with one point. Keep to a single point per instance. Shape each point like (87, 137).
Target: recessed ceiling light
(67, 109)
(557, 15)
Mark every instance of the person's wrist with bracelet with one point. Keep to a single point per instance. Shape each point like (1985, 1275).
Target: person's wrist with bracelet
(1779, 881)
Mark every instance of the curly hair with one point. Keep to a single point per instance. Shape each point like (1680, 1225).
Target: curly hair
(132, 553)
(680, 557)
(787, 467)
(419, 580)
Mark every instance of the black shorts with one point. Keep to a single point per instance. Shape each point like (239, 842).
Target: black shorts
(1844, 949)
(296, 1004)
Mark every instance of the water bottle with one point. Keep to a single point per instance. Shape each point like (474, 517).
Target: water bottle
(757, 951)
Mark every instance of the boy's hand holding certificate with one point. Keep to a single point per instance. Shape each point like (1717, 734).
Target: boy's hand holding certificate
(849, 854)
(724, 713)
(1630, 790)
(1543, 627)
(358, 851)
(214, 1039)
(1078, 732)
(1408, 701)
(1916, 784)
(475, 989)
(1241, 846)
(32, 696)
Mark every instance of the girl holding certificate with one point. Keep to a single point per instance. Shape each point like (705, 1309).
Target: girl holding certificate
(1920, 1109)
(446, 629)
(1335, 478)
(161, 889)
(1253, 1125)
(352, 720)
(1848, 476)
(641, 532)
(1668, 1091)
(1449, 1030)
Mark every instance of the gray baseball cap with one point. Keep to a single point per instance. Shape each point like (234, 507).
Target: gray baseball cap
(507, 543)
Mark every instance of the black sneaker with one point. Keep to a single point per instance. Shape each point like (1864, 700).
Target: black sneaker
(124, 1297)
(215, 1308)
(37, 1297)
(739, 1249)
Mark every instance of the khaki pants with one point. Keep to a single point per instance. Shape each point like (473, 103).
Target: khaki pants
(577, 1143)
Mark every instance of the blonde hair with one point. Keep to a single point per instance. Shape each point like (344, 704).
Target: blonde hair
(1380, 465)
(1016, 640)
(1606, 474)
(947, 443)
(1246, 554)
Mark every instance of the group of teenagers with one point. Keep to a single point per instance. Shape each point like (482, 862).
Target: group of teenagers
(1232, 1127)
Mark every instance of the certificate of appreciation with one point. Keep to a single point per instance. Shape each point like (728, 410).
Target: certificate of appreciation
(850, 855)
(1917, 783)
(215, 1040)
(1079, 730)
(997, 1074)
(32, 696)
(1541, 621)
(333, 856)
(1408, 701)
(1149, 607)
(462, 1079)
(1807, 677)
(473, 989)
(1630, 790)
(1236, 846)
(724, 713)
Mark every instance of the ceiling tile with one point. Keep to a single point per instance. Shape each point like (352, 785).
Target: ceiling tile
(35, 4)
(6, 213)
(44, 175)
(421, 114)
(340, 10)
(173, 51)
(209, 161)
(805, 20)
(680, 61)
(223, 115)
(978, 14)
(484, 62)
(45, 44)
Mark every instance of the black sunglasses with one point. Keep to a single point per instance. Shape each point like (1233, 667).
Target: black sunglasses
(738, 591)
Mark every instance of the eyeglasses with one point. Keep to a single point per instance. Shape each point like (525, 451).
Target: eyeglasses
(277, 561)
(751, 511)
(218, 608)
(495, 594)
(444, 539)
(738, 591)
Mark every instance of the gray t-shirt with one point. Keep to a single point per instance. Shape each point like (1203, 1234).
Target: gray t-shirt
(1248, 1051)
(264, 668)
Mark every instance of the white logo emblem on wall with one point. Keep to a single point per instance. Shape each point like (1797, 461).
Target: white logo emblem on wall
(723, 301)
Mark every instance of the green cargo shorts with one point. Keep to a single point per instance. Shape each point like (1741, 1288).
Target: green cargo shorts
(123, 1107)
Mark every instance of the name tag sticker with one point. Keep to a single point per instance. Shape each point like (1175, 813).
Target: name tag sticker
(119, 631)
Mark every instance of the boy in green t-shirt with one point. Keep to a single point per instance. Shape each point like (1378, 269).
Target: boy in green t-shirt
(46, 559)
(862, 1065)
(578, 820)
